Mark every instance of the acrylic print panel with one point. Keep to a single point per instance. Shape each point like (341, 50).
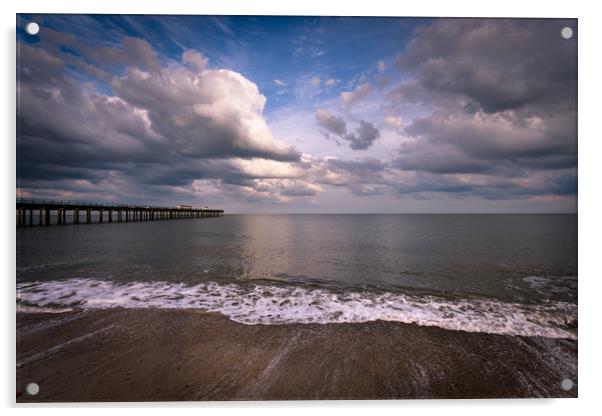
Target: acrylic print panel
(262, 208)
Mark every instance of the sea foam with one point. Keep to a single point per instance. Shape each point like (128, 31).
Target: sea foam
(272, 305)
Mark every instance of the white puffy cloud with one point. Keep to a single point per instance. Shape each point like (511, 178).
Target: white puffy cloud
(160, 129)
(265, 168)
(212, 113)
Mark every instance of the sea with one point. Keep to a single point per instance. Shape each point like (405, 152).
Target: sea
(491, 273)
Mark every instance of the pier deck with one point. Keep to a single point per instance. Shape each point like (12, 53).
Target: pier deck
(46, 212)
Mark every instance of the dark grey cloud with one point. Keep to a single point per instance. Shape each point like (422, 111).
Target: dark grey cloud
(442, 159)
(363, 167)
(465, 143)
(132, 51)
(498, 100)
(489, 187)
(331, 123)
(361, 139)
(500, 64)
(371, 176)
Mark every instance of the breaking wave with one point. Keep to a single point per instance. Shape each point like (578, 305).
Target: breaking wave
(269, 304)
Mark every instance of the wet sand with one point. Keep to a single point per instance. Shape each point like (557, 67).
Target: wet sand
(172, 355)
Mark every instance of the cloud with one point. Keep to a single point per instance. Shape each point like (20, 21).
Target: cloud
(496, 97)
(345, 173)
(351, 98)
(315, 82)
(260, 168)
(500, 64)
(363, 137)
(507, 136)
(214, 113)
(365, 167)
(287, 187)
(393, 122)
(331, 123)
(370, 176)
(194, 59)
(158, 129)
(131, 51)
(331, 82)
(182, 108)
(508, 143)
(279, 83)
(382, 78)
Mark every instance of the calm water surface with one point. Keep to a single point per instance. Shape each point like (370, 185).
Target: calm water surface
(504, 256)
(309, 262)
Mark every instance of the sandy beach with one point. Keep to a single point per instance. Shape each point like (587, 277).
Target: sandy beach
(164, 355)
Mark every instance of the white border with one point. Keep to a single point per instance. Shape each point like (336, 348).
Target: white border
(424, 8)
(590, 230)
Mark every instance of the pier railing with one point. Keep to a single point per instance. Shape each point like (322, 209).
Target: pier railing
(71, 212)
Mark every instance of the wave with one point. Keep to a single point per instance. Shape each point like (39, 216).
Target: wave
(269, 304)
(552, 284)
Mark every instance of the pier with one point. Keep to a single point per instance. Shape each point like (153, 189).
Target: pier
(46, 212)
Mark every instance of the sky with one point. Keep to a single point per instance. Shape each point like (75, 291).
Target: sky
(284, 114)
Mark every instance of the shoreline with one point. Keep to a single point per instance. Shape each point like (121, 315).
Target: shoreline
(177, 355)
